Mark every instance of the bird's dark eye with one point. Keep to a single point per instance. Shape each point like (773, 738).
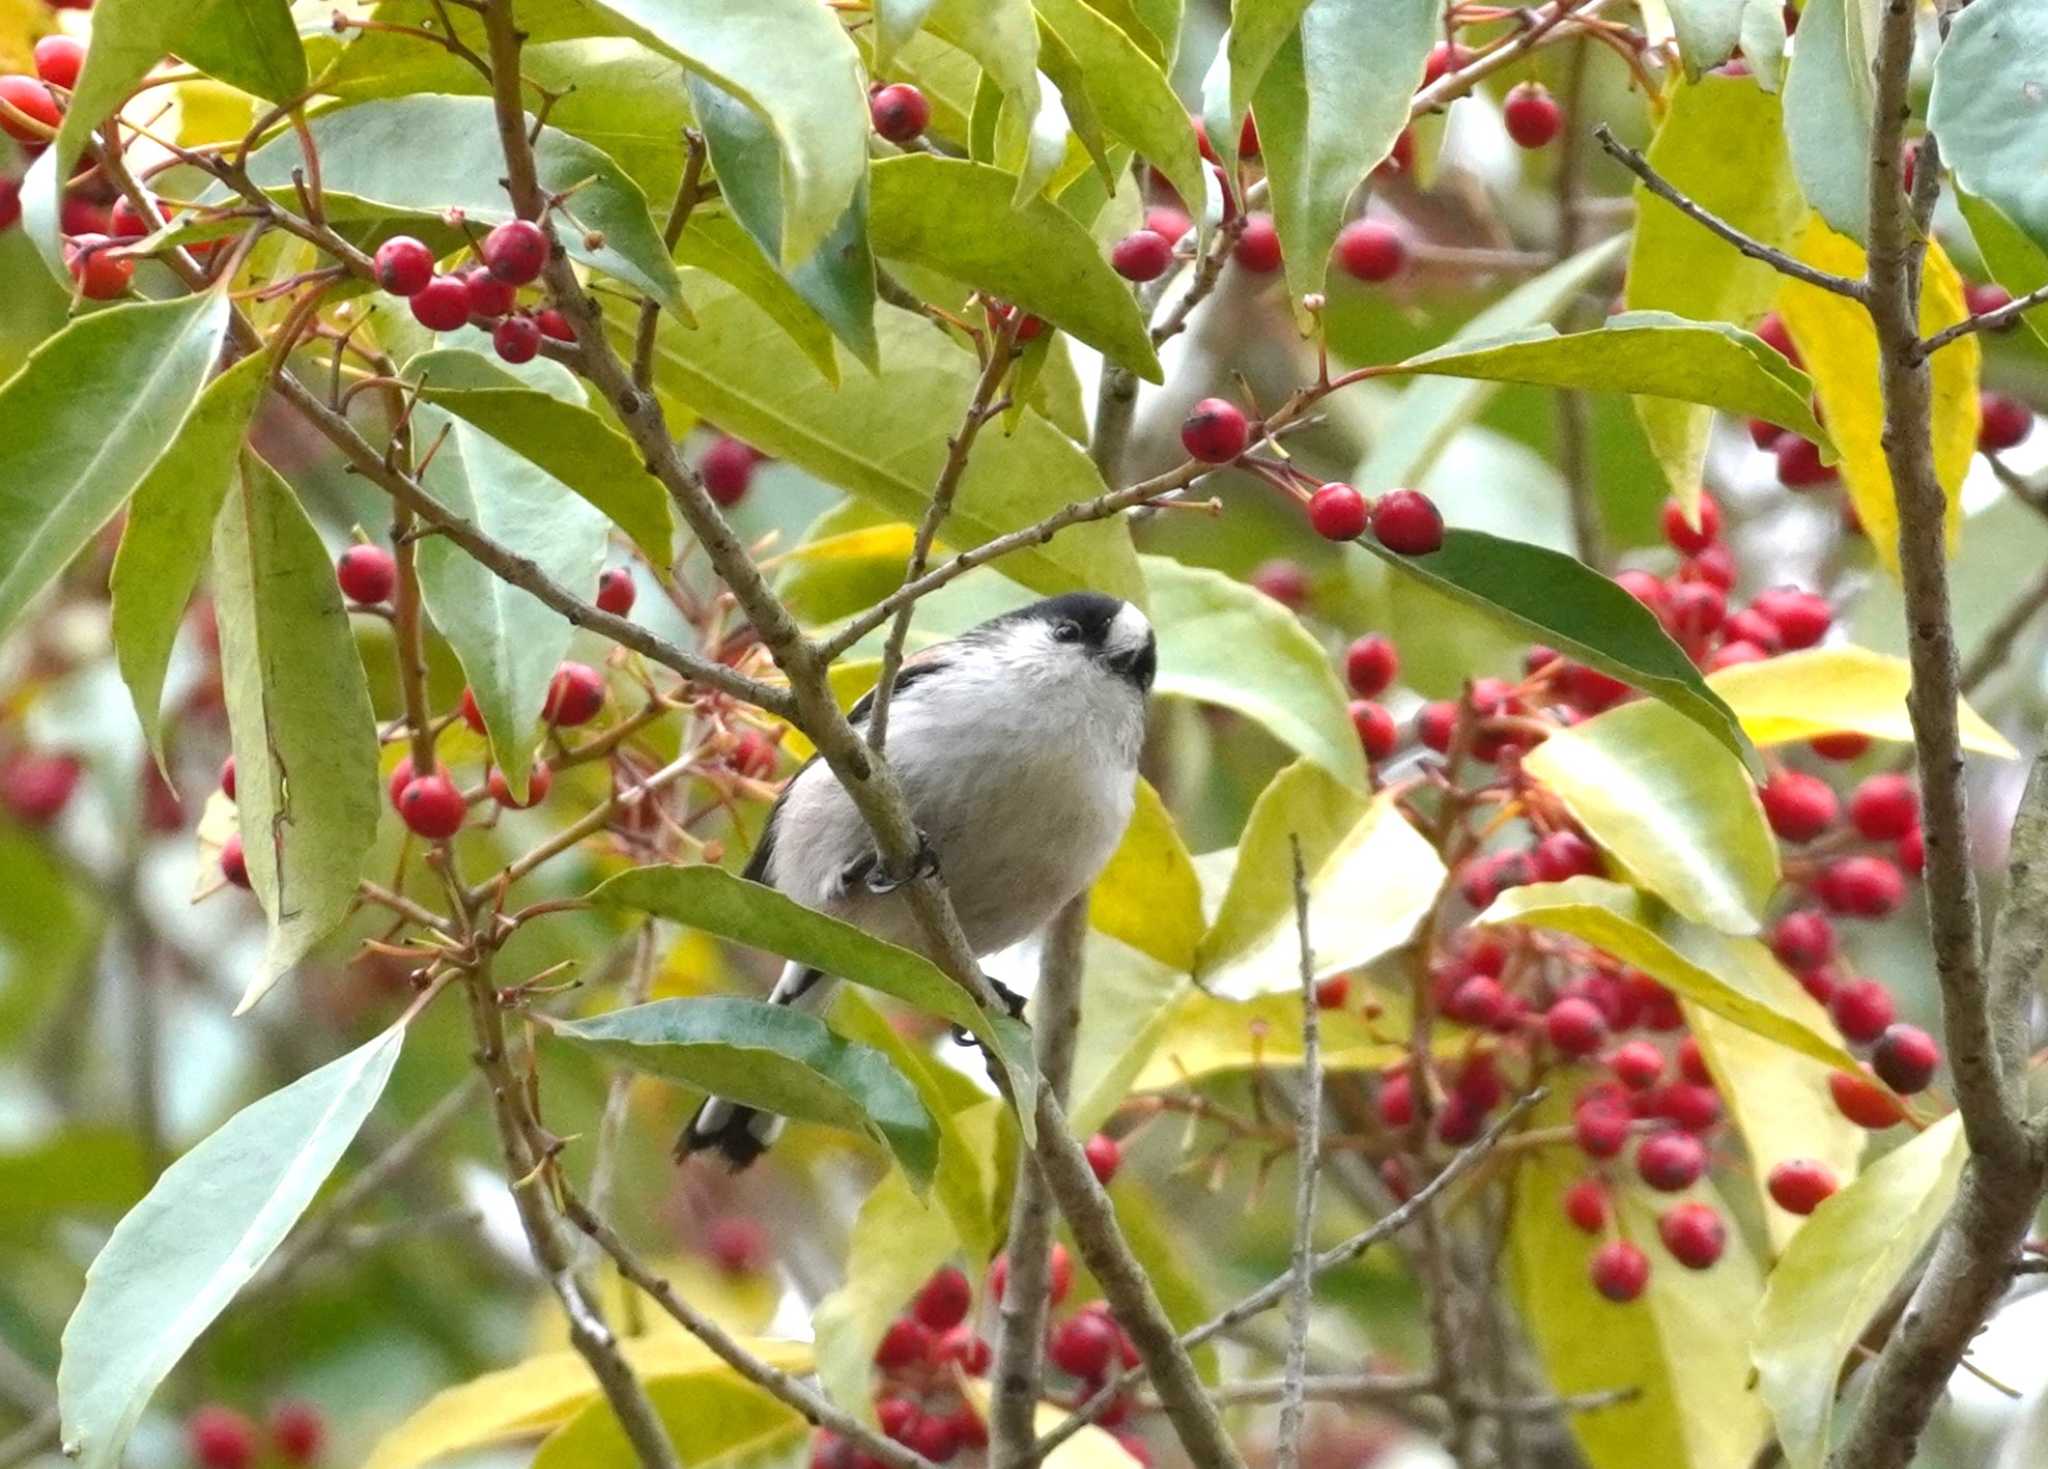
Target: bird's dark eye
(1066, 632)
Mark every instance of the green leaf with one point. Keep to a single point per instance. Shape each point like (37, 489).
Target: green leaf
(1430, 411)
(896, 21)
(1987, 84)
(251, 44)
(1225, 643)
(1562, 602)
(170, 526)
(84, 420)
(1329, 110)
(1258, 29)
(774, 1057)
(716, 242)
(1709, 31)
(716, 902)
(898, 1240)
(1763, 42)
(884, 438)
(1680, 1344)
(955, 217)
(203, 1231)
(1836, 1273)
(1002, 35)
(1722, 142)
(1651, 353)
(2013, 260)
(373, 167)
(1371, 878)
(1734, 978)
(1148, 896)
(1672, 805)
(571, 446)
(1817, 691)
(713, 1416)
(1828, 105)
(305, 740)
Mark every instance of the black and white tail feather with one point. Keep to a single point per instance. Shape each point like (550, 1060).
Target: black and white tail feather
(1017, 747)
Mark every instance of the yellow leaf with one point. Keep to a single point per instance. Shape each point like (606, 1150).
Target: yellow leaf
(707, 1415)
(1800, 695)
(892, 543)
(545, 1391)
(742, 1304)
(1148, 896)
(1839, 345)
(1091, 1448)
(1204, 1035)
(212, 112)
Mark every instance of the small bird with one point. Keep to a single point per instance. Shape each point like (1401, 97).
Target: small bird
(1017, 748)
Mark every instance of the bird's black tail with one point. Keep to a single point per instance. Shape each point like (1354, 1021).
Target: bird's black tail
(737, 1133)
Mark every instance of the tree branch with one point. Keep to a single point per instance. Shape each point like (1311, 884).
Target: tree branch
(1988, 321)
(1308, 1161)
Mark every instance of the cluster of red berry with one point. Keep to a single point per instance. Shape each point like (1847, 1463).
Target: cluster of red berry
(487, 292)
(218, 1437)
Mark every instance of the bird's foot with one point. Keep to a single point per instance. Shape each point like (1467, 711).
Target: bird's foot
(924, 863)
(1013, 1006)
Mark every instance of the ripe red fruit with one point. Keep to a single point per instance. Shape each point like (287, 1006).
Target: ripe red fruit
(1692, 1065)
(1868, 887)
(1136, 1447)
(1531, 115)
(1799, 806)
(1696, 1108)
(1104, 1157)
(1774, 333)
(1802, 618)
(1885, 807)
(1258, 248)
(1864, 1102)
(1987, 296)
(1694, 609)
(1214, 431)
(1803, 940)
(1083, 1345)
(1844, 744)
(575, 694)
(1444, 58)
(899, 112)
(1059, 1275)
(1436, 725)
(227, 777)
(1687, 538)
(1750, 626)
(78, 215)
(934, 1437)
(401, 777)
(1371, 251)
(1638, 1065)
(432, 807)
(1912, 852)
(1285, 581)
(538, 779)
(1799, 463)
(404, 265)
(1585, 1204)
(907, 1341)
(1338, 512)
(488, 297)
(1407, 522)
(1575, 1026)
(737, 1244)
(616, 591)
(58, 59)
(1477, 1001)
(442, 304)
(367, 574)
(1799, 1185)
(2004, 423)
(1714, 565)
(1248, 138)
(727, 468)
(471, 715)
(1861, 1010)
(1377, 731)
(555, 326)
(125, 222)
(516, 252)
(234, 861)
(963, 1346)
(218, 1437)
(1694, 1233)
(1670, 1161)
(35, 788)
(944, 1300)
(101, 274)
(1141, 256)
(896, 1417)
(299, 1432)
(1905, 1058)
(30, 97)
(1400, 158)
(1619, 1271)
(1168, 223)
(1370, 664)
(1331, 993)
(1563, 855)
(10, 203)
(516, 339)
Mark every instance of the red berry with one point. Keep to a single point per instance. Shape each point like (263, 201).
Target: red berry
(1136, 1447)
(471, 715)
(934, 1437)
(1868, 887)
(1687, 538)
(1800, 1185)
(1861, 1010)
(234, 861)
(1799, 806)
(487, 296)
(79, 215)
(101, 274)
(1168, 223)
(1141, 256)
(1601, 1130)
(1912, 852)
(737, 1244)
(1585, 1204)
(944, 1300)
(1104, 1157)
(516, 252)
(1693, 610)
(1396, 1104)
(905, 1343)
(1982, 297)
(30, 97)
(1844, 744)
(1696, 1108)
(1370, 665)
(1799, 463)
(1331, 993)
(1214, 431)
(2005, 422)
(1670, 1161)
(442, 304)
(1694, 1233)
(125, 222)
(1444, 58)
(895, 1416)
(1803, 939)
(1645, 588)
(1820, 983)
(616, 591)
(899, 112)
(727, 469)
(1575, 1026)
(1083, 1345)
(1905, 1058)
(1478, 1001)
(1407, 522)
(1563, 855)
(1338, 512)
(1059, 1274)
(555, 326)
(1802, 618)
(1763, 433)
(1248, 138)
(1692, 1065)
(35, 788)
(1885, 807)
(961, 1345)
(1436, 725)
(1750, 626)
(516, 339)
(1532, 115)
(538, 779)
(1258, 248)
(1371, 251)
(1377, 732)
(404, 265)
(367, 574)
(10, 203)
(1774, 333)
(1637, 1065)
(299, 1432)
(432, 807)
(755, 755)
(1285, 581)
(58, 59)
(830, 1451)
(1619, 1271)
(1714, 565)
(575, 694)
(227, 777)
(220, 1438)
(1863, 1102)
(1400, 158)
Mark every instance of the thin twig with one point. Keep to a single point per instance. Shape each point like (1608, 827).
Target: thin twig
(1997, 643)
(1574, 426)
(688, 192)
(1987, 321)
(1387, 1387)
(1308, 1162)
(611, 1127)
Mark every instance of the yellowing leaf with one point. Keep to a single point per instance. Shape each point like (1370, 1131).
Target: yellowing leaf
(1800, 695)
(1204, 1035)
(1837, 1271)
(707, 1415)
(545, 1391)
(1148, 896)
(1839, 345)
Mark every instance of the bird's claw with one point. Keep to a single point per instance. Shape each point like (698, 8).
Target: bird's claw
(924, 863)
(1013, 1006)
